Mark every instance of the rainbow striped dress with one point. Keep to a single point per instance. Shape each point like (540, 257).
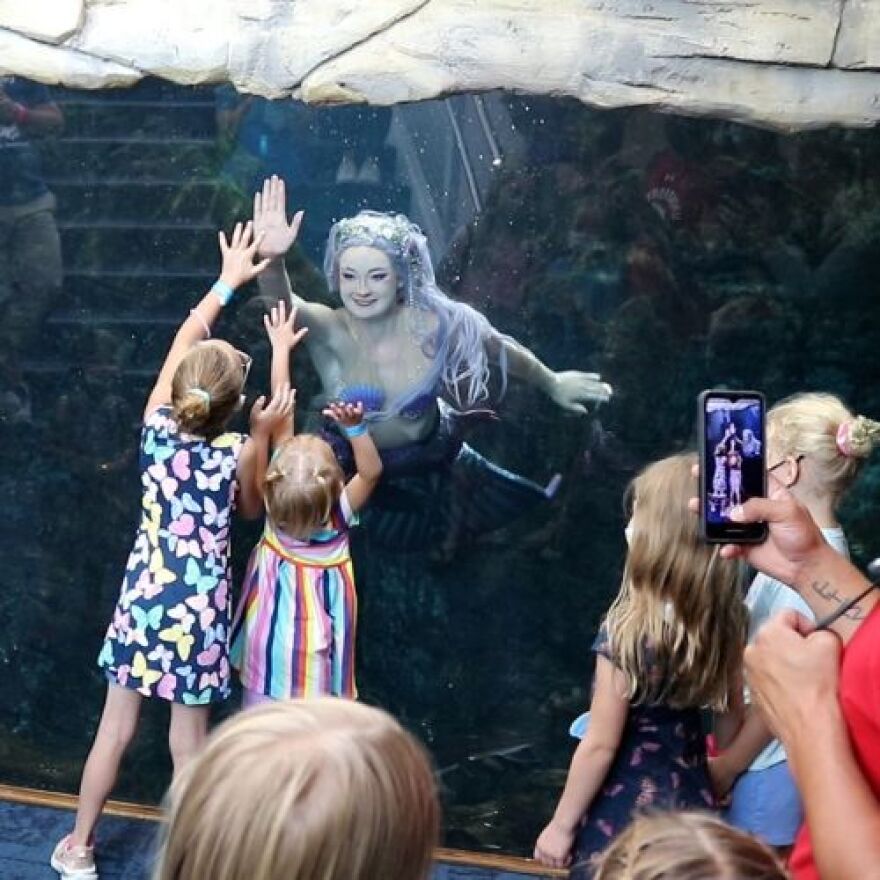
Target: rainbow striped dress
(294, 630)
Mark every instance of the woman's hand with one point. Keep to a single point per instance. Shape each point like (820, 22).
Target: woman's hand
(238, 256)
(279, 327)
(266, 418)
(345, 414)
(276, 236)
(553, 848)
(793, 670)
(571, 389)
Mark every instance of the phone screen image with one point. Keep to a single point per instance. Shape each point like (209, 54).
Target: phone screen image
(733, 446)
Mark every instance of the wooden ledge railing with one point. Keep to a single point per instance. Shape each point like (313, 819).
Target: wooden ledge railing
(58, 800)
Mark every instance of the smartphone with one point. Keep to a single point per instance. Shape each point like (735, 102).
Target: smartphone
(733, 465)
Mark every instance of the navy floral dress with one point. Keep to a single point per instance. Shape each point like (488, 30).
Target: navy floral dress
(661, 763)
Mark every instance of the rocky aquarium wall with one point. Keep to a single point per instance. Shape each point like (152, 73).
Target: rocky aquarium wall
(738, 245)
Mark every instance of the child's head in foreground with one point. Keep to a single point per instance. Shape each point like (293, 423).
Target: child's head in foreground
(686, 846)
(324, 789)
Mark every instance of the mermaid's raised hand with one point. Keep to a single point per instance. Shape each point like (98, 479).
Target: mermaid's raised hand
(572, 389)
(276, 236)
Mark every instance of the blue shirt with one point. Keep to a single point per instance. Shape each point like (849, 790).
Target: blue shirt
(21, 177)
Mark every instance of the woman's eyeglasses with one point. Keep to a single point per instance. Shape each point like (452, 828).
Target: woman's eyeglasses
(797, 460)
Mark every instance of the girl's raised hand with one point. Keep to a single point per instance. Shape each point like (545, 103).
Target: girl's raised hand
(345, 414)
(239, 253)
(276, 235)
(279, 327)
(266, 418)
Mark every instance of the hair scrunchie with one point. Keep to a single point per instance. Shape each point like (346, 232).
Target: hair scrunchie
(200, 392)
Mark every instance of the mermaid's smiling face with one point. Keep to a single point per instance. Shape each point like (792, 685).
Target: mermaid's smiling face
(367, 282)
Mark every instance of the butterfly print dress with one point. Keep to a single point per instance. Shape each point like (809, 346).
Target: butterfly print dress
(169, 633)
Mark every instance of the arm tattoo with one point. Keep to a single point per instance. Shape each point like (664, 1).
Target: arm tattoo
(847, 607)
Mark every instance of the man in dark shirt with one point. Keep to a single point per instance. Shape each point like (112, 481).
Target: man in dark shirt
(30, 250)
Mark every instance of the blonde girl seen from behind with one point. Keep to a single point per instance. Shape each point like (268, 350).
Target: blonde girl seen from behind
(670, 648)
(294, 630)
(304, 790)
(162, 641)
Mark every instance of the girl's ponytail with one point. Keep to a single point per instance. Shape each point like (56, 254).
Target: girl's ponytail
(206, 388)
(193, 410)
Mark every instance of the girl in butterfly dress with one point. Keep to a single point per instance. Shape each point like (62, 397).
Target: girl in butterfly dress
(169, 632)
(670, 646)
(294, 629)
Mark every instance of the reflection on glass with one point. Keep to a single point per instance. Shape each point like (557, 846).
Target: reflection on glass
(30, 250)
(666, 254)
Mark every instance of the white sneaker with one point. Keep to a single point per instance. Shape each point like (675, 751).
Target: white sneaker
(74, 862)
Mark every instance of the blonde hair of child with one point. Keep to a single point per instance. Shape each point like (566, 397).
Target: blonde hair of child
(206, 388)
(322, 789)
(687, 846)
(678, 625)
(813, 425)
(303, 483)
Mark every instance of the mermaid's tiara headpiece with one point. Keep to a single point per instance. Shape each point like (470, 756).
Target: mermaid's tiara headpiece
(393, 228)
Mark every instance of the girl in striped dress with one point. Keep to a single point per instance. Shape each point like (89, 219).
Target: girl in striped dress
(294, 630)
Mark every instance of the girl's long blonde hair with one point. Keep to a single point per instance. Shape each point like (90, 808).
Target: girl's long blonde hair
(323, 789)
(678, 625)
(687, 846)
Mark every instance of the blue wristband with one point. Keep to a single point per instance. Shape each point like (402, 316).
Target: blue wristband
(223, 292)
(357, 430)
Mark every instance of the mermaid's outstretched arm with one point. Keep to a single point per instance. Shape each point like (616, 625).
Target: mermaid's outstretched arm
(276, 237)
(571, 389)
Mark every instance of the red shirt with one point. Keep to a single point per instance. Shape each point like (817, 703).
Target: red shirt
(860, 700)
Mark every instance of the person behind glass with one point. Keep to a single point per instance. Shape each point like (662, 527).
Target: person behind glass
(294, 629)
(815, 683)
(734, 476)
(398, 344)
(167, 637)
(719, 479)
(682, 845)
(816, 449)
(730, 439)
(319, 789)
(30, 247)
(670, 646)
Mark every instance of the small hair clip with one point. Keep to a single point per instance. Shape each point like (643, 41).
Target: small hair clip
(200, 392)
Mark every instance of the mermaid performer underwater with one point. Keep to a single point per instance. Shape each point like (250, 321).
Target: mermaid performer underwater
(418, 361)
